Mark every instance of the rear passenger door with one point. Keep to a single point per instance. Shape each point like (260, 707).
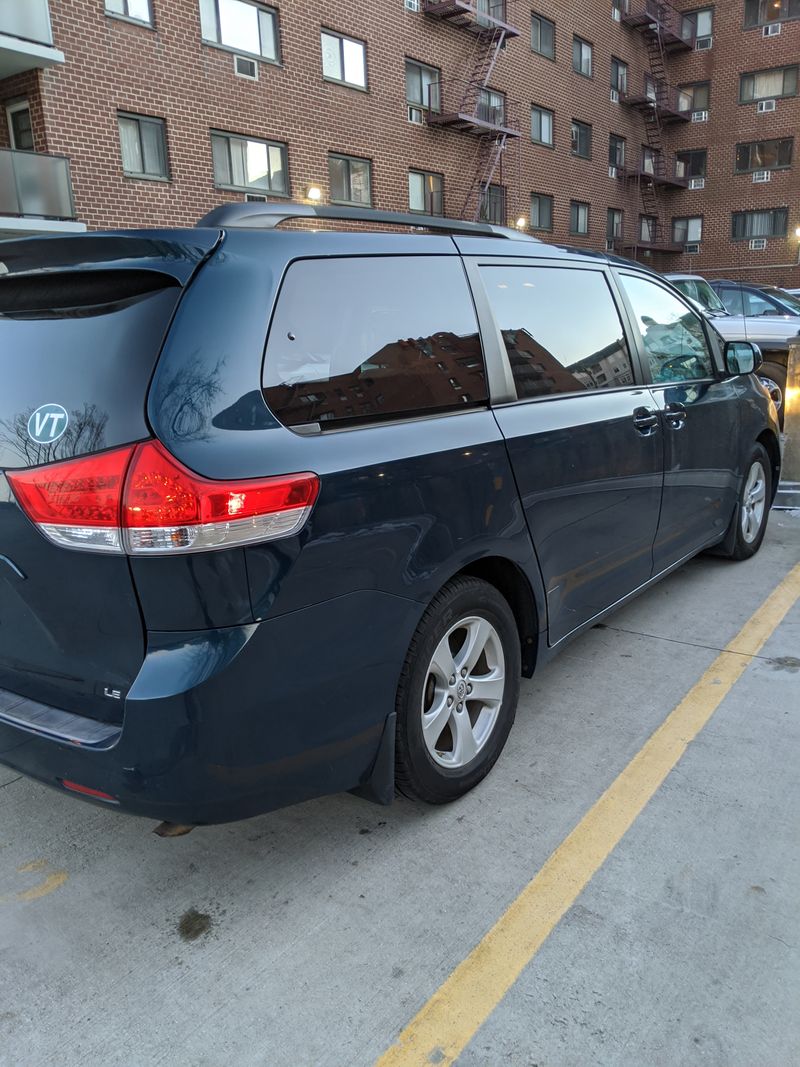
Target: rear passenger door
(700, 420)
(584, 441)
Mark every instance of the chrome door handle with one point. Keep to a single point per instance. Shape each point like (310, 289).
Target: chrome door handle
(646, 421)
(675, 415)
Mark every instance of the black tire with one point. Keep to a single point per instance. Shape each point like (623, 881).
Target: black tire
(776, 373)
(418, 774)
(744, 548)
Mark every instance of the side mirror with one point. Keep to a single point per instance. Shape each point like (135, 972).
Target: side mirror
(741, 357)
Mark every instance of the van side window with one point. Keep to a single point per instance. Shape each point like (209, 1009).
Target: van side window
(561, 329)
(358, 339)
(672, 334)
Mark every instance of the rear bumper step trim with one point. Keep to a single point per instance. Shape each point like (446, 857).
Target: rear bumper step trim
(55, 723)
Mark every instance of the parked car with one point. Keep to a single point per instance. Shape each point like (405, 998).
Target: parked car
(757, 301)
(772, 335)
(792, 292)
(287, 512)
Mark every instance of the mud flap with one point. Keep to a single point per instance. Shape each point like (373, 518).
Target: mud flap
(378, 786)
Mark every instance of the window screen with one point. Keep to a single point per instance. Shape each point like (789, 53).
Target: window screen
(365, 339)
(551, 348)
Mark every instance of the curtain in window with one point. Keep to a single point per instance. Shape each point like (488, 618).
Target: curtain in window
(131, 146)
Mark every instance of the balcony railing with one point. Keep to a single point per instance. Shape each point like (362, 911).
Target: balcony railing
(26, 19)
(658, 16)
(672, 104)
(35, 185)
(659, 170)
(476, 16)
(462, 105)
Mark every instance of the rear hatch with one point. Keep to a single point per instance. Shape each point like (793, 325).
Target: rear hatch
(82, 321)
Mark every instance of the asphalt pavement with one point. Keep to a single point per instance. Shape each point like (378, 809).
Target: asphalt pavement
(317, 935)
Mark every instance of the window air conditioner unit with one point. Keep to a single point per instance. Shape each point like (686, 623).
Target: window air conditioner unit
(760, 176)
(702, 44)
(245, 68)
(254, 198)
(758, 244)
(614, 96)
(766, 105)
(699, 116)
(692, 249)
(697, 183)
(416, 115)
(772, 30)
(613, 172)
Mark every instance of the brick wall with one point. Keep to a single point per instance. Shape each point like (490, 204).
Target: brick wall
(167, 71)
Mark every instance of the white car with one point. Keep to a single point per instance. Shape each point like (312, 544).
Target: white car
(771, 335)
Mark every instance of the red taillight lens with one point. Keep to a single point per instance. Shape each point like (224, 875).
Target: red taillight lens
(167, 508)
(140, 500)
(77, 503)
(87, 791)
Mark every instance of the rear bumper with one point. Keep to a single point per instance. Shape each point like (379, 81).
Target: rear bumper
(224, 724)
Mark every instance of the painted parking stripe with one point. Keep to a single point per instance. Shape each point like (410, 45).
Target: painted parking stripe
(446, 1024)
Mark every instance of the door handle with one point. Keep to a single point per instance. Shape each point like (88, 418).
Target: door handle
(675, 415)
(646, 421)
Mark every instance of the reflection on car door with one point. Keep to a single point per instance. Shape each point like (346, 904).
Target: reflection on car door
(583, 438)
(700, 418)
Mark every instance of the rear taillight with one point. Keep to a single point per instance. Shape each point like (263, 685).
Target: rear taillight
(140, 500)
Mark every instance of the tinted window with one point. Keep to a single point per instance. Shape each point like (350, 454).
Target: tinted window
(732, 299)
(551, 347)
(362, 339)
(672, 333)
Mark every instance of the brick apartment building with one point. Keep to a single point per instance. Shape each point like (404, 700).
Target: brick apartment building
(628, 124)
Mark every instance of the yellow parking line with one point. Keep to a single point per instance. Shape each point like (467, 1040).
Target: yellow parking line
(445, 1025)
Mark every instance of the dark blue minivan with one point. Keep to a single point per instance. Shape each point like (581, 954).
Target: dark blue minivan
(288, 509)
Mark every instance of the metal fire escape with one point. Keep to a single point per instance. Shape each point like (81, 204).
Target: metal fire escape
(664, 32)
(469, 104)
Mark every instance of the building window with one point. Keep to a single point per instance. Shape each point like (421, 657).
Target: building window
(581, 139)
(648, 227)
(695, 97)
(250, 165)
(350, 180)
(582, 57)
(764, 155)
(492, 107)
(543, 36)
(542, 126)
(763, 12)
(426, 192)
(143, 142)
(699, 24)
(422, 87)
(768, 84)
(493, 204)
(344, 59)
(619, 76)
(616, 151)
(541, 211)
(614, 223)
(20, 126)
(747, 224)
(241, 26)
(578, 217)
(687, 231)
(138, 10)
(691, 164)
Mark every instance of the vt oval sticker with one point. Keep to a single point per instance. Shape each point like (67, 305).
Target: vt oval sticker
(47, 424)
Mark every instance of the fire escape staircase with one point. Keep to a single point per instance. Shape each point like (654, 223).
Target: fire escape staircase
(465, 104)
(663, 31)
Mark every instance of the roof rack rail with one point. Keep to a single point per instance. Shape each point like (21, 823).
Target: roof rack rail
(268, 216)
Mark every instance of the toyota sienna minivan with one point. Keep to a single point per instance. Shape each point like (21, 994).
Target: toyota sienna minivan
(290, 511)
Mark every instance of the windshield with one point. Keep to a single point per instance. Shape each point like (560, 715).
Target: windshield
(788, 301)
(699, 290)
